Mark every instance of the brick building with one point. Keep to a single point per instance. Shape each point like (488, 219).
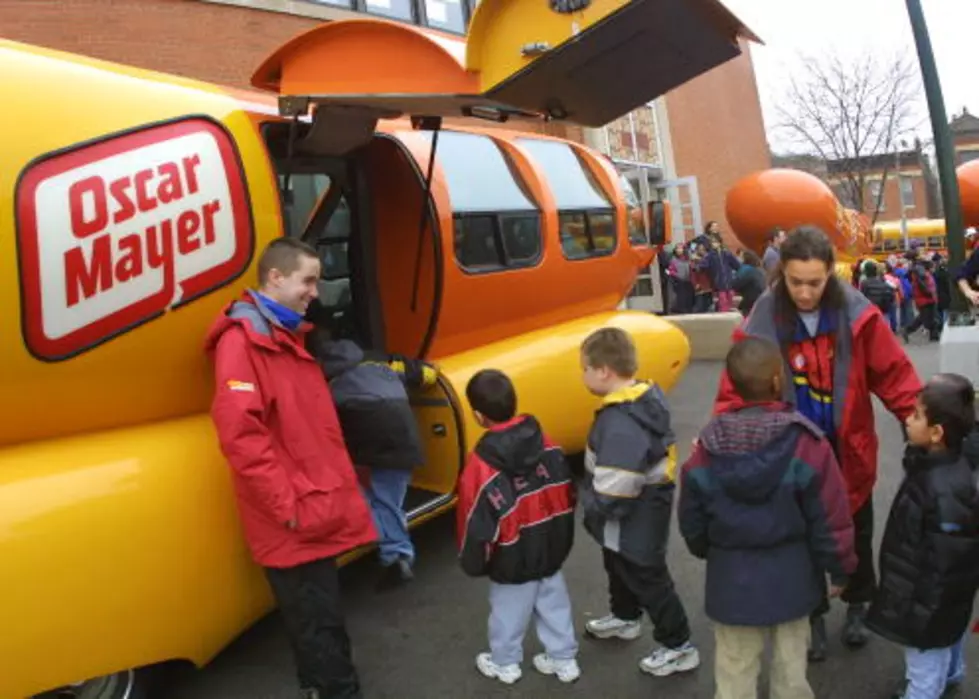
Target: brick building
(914, 189)
(708, 132)
(965, 137)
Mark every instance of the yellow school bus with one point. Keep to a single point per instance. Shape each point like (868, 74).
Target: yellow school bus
(928, 234)
(132, 211)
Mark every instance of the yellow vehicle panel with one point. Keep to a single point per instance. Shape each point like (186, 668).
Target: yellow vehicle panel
(130, 379)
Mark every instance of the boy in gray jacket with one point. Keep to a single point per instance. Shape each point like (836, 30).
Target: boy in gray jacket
(627, 498)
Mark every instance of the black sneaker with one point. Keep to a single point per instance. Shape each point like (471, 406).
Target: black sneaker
(309, 694)
(817, 644)
(395, 575)
(855, 634)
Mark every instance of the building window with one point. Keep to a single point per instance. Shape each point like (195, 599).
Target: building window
(586, 216)
(496, 224)
(447, 15)
(907, 191)
(395, 9)
(873, 195)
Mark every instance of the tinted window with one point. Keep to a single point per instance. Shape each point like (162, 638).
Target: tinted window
(521, 237)
(572, 185)
(574, 236)
(478, 175)
(475, 242)
(936, 241)
(300, 193)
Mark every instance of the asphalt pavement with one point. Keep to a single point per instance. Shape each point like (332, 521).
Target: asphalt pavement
(420, 642)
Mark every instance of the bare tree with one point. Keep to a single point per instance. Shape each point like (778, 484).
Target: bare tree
(852, 115)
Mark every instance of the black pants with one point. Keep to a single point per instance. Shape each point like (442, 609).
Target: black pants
(928, 317)
(634, 588)
(863, 583)
(309, 601)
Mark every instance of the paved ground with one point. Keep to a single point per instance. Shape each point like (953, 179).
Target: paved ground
(420, 643)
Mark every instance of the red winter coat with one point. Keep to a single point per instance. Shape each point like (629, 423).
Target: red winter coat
(867, 359)
(278, 428)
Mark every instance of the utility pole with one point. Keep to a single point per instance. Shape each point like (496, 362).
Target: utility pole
(944, 154)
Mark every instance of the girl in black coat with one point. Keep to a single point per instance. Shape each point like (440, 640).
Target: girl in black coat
(929, 557)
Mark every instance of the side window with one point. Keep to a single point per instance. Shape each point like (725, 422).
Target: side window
(300, 192)
(496, 224)
(637, 227)
(585, 214)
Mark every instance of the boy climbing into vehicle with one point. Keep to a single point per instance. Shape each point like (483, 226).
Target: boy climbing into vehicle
(382, 437)
(929, 556)
(762, 499)
(627, 497)
(516, 526)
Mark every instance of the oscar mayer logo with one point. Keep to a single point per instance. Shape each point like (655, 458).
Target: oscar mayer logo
(113, 234)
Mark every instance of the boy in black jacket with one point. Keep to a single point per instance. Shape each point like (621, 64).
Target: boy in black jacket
(929, 557)
(516, 526)
(627, 497)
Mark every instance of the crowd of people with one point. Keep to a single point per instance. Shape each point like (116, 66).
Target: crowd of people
(703, 275)
(777, 495)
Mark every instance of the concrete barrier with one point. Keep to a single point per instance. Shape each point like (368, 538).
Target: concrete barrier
(709, 334)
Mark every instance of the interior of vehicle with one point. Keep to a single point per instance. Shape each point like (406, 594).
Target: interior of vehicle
(335, 204)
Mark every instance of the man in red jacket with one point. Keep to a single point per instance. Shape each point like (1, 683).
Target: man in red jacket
(297, 491)
(838, 350)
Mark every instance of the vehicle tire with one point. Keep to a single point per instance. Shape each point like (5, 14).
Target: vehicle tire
(129, 684)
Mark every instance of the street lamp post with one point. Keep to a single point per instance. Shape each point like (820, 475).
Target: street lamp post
(944, 154)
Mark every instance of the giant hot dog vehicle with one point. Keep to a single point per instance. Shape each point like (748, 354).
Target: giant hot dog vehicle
(132, 207)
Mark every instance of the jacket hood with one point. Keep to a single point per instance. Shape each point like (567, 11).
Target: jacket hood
(751, 448)
(339, 356)
(515, 447)
(644, 403)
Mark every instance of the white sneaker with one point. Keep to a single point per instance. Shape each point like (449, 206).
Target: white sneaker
(663, 662)
(613, 627)
(507, 674)
(565, 670)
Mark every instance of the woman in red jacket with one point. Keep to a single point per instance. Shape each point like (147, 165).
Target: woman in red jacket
(838, 350)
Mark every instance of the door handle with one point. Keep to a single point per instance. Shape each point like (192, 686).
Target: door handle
(438, 429)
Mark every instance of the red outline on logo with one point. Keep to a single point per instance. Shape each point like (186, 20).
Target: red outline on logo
(141, 310)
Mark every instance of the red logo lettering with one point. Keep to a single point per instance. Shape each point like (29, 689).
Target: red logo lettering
(160, 217)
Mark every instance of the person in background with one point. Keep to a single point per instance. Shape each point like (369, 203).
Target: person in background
(298, 497)
(703, 290)
(381, 434)
(943, 287)
(929, 556)
(749, 281)
(967, 276)
(515, 525)
(925, 299)
(769, 260)
(878, 291)
(838, 350)
(886, 271)
(680, 274)
(902, 270)
(720, 264)
(763, 501)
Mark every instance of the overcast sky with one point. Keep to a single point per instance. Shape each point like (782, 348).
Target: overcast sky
(850, 27)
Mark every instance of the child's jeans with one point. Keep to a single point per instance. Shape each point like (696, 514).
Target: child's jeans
(930, 672)
(739, 655)
(513, 606)
(386, 496)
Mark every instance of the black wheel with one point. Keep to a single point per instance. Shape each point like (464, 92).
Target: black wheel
(130, 684)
